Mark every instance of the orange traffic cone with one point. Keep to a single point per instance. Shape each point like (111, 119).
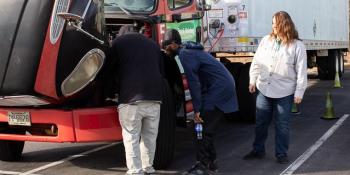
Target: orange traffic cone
(329, 113)
(295, 109)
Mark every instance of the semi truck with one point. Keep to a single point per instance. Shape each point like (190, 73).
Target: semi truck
(57, 75)
(232, 30)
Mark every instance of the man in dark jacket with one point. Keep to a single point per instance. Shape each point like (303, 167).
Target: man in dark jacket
(213, 93)
(139, 91)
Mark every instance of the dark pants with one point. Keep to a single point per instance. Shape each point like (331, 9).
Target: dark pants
(205, 148)
(268, 109)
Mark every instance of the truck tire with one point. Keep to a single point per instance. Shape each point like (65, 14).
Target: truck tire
(166, 132)
(11, 150)
(246, 100)
(322, 70)
(235, 70)
(326, 66)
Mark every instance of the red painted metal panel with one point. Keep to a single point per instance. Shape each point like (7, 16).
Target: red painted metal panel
(62, 119)
(80, 125)
(30, 138)
(45, 82)
(160, 9)
(163, 8)
(97, 124)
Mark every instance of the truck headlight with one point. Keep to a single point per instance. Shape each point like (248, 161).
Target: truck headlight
(84, 72)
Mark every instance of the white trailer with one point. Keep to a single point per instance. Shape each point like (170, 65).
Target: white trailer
(237, 26)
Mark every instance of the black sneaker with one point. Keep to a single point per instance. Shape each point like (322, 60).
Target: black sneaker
(213, 166)
(254, 155)
(282, 159)
(197, 169)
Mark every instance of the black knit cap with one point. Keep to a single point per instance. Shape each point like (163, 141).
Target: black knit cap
(170, 36)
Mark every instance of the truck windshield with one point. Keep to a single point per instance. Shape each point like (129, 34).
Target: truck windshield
(138, 6)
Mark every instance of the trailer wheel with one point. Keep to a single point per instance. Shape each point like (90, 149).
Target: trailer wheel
(322, 68)
(246, 100)
(166, 132)
(326, 66)
(235, 70)
(11, 150)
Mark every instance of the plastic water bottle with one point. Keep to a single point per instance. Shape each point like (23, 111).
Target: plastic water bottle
(199, 130)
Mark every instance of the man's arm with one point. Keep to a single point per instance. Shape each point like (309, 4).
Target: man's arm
(191, 68)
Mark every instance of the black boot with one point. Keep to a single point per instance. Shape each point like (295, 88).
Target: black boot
(198, 169)
(254, 155)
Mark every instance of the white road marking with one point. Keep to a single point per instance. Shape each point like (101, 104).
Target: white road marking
(8, 172)
(11, 173)
(68, 159)
(301, 159)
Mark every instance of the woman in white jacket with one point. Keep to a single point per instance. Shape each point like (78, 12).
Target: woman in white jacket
(279, 73)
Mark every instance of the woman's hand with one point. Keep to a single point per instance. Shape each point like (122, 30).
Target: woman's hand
(297, 100)
(251, 88)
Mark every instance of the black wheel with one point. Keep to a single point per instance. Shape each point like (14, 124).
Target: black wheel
(322, 69)
(246, 100)
(326, 66)
(235, 70)
(11, 150)
(166, 132)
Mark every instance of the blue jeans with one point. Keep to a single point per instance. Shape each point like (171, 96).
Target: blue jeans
(267, 109)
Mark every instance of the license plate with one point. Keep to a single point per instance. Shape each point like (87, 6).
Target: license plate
(19, 118)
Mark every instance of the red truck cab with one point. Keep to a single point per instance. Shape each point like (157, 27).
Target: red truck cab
(56, 73)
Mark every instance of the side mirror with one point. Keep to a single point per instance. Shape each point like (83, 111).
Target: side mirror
(203, 6)
(70, 17)
(76, 22)
(207, 7)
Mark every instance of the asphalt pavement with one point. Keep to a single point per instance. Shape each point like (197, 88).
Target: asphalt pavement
(317, 146)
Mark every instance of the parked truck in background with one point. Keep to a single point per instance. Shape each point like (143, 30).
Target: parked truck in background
(56, 74)
(232, 30)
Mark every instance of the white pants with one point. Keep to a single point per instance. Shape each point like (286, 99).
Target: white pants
(139, 120)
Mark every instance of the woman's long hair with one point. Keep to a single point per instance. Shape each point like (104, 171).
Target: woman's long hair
(285, 28)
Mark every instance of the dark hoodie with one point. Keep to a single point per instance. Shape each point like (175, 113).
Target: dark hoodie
(211, 84)
(138, 65)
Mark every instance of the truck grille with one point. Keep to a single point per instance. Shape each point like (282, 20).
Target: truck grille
(57, 23)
